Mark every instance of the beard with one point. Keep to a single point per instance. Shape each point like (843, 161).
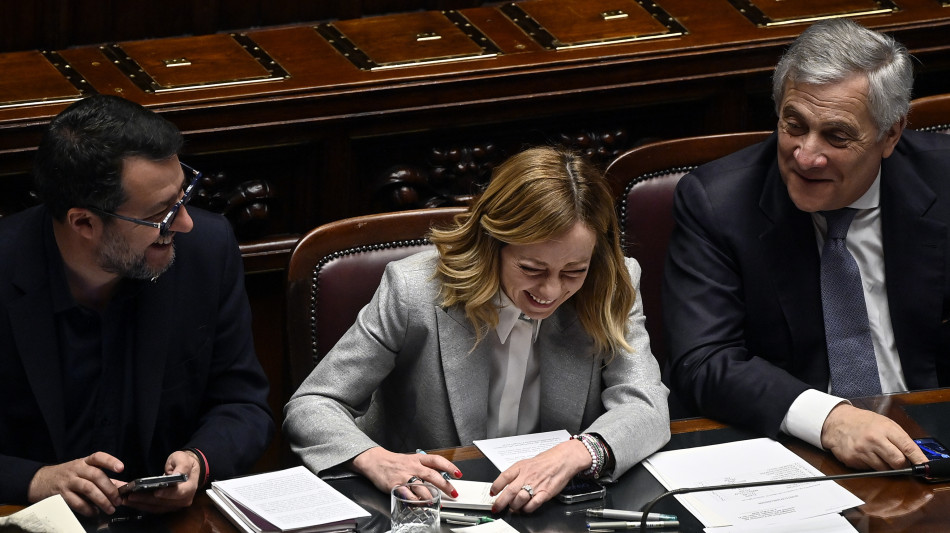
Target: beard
(115, 256)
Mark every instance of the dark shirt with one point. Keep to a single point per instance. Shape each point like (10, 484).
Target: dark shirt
(95, 350)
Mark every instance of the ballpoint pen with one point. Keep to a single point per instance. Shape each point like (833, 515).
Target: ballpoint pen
(618, 514)
(652, 524)
(460, 518)
(445, 475)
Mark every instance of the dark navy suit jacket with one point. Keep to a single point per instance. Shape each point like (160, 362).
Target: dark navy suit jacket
(741, 293)
(197, 380)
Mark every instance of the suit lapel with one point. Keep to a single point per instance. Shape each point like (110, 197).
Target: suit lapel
(567, 367)
(914, 267)
(793, 261)
(34, 331)
(466, 374)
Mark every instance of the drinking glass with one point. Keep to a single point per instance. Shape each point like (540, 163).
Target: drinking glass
(414, 508)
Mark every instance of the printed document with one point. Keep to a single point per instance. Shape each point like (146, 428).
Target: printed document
(829, 523)
(506, 451)
(744, 461)
(51, 515)
(289, 499)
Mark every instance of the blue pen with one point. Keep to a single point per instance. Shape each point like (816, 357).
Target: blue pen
(445, 475)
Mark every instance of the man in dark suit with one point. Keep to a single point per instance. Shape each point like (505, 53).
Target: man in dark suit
(753, 300)
(118, 359)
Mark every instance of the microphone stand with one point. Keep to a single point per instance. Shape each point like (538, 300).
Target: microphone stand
(922, 469)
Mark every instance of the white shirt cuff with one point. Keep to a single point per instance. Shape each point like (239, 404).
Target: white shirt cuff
(807, 415)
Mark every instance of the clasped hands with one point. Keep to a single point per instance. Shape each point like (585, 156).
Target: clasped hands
(545, 474)
(88, 490)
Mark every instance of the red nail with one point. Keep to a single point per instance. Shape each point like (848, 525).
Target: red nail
(491, 493)
(455, 493)
(458, 474)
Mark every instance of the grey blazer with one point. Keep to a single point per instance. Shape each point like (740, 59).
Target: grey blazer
(404, 376)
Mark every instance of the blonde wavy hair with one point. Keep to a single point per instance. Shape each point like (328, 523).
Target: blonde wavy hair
(533, 197)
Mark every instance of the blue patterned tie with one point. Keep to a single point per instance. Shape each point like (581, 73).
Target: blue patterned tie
(847, 330)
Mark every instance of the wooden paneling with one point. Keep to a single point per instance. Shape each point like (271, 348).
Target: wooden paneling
(332, 140)
(54, 24)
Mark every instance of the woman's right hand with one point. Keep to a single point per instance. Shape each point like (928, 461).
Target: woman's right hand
(387, 469)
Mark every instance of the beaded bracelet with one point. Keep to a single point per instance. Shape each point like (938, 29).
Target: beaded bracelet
(598, 454)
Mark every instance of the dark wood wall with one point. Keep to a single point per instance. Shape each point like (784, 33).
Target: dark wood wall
(324, 139)
(55, 24)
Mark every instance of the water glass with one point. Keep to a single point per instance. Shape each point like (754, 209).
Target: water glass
(415, 508)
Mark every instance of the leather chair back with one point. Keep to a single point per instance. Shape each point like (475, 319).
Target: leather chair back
(930, 113)
(643, 180)
(334, 271)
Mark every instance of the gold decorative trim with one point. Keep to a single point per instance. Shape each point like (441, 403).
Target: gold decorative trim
(757, 17)
(545, 38)
(362, 61)
(134, 71)
(69, 74)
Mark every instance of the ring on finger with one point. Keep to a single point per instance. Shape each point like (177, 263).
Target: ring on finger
(527, 488)
(414, 479)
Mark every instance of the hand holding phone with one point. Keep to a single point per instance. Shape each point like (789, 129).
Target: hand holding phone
(152, 483)
(935, 451)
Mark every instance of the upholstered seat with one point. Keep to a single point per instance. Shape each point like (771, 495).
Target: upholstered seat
(643, 180)
(931, 113)
(334, 271)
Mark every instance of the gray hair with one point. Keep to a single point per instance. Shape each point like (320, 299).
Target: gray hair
(832, 50)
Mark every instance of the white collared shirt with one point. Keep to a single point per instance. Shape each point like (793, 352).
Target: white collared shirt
(514, 386)
(807, 413)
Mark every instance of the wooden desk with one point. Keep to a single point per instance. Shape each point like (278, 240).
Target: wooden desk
(892, 504)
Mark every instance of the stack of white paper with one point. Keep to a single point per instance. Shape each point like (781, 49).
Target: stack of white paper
(293, 500)
(758, 507)
(472, 495)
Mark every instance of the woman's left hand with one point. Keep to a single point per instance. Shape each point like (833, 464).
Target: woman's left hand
(546, 474)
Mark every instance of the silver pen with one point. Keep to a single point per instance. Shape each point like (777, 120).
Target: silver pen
(651, 524)
(460, 518)
(618, 514)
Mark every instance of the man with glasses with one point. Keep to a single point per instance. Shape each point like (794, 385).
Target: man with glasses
(125, 330)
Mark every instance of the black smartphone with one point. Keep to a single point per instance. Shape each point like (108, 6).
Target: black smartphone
(934, 450)
(152, 483)
(580, 490)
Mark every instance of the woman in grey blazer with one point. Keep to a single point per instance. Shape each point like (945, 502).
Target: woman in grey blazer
(525, 318)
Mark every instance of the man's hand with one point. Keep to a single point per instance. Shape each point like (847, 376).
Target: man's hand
(547, 473)
(171, 498)
(387, 469)
(82, 483)
(863, 439)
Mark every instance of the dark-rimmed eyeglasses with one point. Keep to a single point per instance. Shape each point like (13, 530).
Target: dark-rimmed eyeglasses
(169, 218)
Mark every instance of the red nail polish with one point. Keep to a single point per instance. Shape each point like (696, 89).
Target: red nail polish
(455, 493)
(458, 474)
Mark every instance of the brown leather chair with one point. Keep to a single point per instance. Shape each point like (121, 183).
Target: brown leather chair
(334, 271)
(931, 113)
(643, 180)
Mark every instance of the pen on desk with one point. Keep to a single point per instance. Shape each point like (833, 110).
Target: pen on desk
(460, 518)
(652, 524)
(445, 475)
(618, 514)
